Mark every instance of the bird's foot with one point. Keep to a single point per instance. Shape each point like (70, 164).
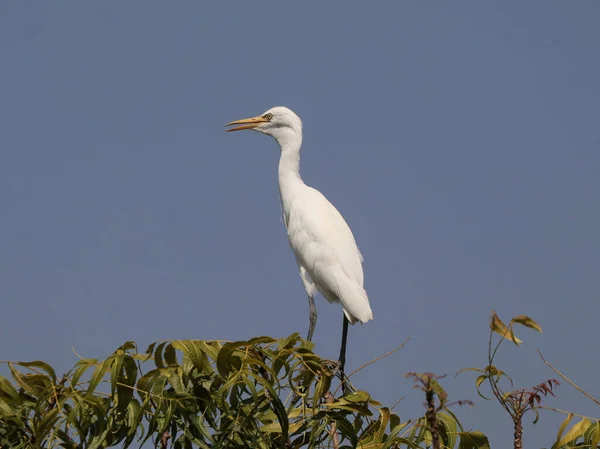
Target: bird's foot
(347, 387)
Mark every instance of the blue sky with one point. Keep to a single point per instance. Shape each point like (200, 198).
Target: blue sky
(460, 141)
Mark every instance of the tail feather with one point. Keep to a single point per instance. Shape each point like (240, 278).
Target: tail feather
(336, 286)
(355, 302)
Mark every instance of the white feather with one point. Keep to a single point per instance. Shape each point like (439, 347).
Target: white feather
(325, 247)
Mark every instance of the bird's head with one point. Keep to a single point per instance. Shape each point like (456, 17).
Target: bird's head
(277, 122)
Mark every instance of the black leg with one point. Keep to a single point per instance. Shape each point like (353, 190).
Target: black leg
(345, 388)
(313, 317)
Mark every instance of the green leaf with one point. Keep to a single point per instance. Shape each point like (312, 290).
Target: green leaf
(595, 436)
(193, 352)
(289, 341)
(46, 424)
(99, 374)
(357, 396)
(150, 349)
(278, 407)
(496, 325)
(575, 432)
(450, 431)
(127, 346)
(7, 389)
(346, 431)
(199, 424)
(100, 431)
(82, 367)
(492, 371)
(212, 349)
(527, 322)
(42, 365)
(384, 417)
(226, 359)
(176, 382)
(22, 380)
(260, 340)
(171, 356)
(275, 427)
(563, 426)
(477, 370)
(320, 389)
(403, 441)
(134, 416)
(355, 408)
(478, 382)
(590, 433)
(125, 380)
(395, 431)
(158, 355)
(473, 440)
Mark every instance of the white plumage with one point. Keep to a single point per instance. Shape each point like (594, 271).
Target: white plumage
(326, 252)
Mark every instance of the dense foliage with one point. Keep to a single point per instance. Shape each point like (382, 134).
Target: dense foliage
(261, 393)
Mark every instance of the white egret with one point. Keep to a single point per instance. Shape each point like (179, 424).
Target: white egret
(326, 252)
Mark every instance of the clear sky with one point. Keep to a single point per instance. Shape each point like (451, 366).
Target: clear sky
(459, 140)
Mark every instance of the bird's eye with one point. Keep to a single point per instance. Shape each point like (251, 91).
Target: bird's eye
(268, 116)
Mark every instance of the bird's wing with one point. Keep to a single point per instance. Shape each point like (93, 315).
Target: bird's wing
(324, 245)
(319, 233)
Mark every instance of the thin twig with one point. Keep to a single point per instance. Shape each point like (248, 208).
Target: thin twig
(75, 352)
(581, 390)
(397, 402)
(334, 435)
(564, 412)
(376, 359)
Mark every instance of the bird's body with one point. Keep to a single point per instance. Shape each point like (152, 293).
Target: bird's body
(326, 252)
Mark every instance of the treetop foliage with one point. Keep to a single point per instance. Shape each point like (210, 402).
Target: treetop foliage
(261, 393)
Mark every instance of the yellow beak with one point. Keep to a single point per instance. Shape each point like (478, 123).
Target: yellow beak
(247, 123)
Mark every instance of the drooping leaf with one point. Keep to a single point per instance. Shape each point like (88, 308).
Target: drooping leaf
(125, 380)
(127, 346)
(473, 440)
(41, 365)
(193, 352)
(447, 425)
(477, 370)
(171, 356)
(46, 424)
(6, 389)
(80, 368)
(384, 418)
(226, 360)
(275, 427)
(99, 373)
(496, 325)
(563, 426)
(289, 341)
(134, 415)
(574, 432)
(260, 340)
(158, 355)
(278, 407)
(594, 435)
(527, 322)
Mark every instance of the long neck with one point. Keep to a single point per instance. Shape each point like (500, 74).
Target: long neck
(289, 166)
